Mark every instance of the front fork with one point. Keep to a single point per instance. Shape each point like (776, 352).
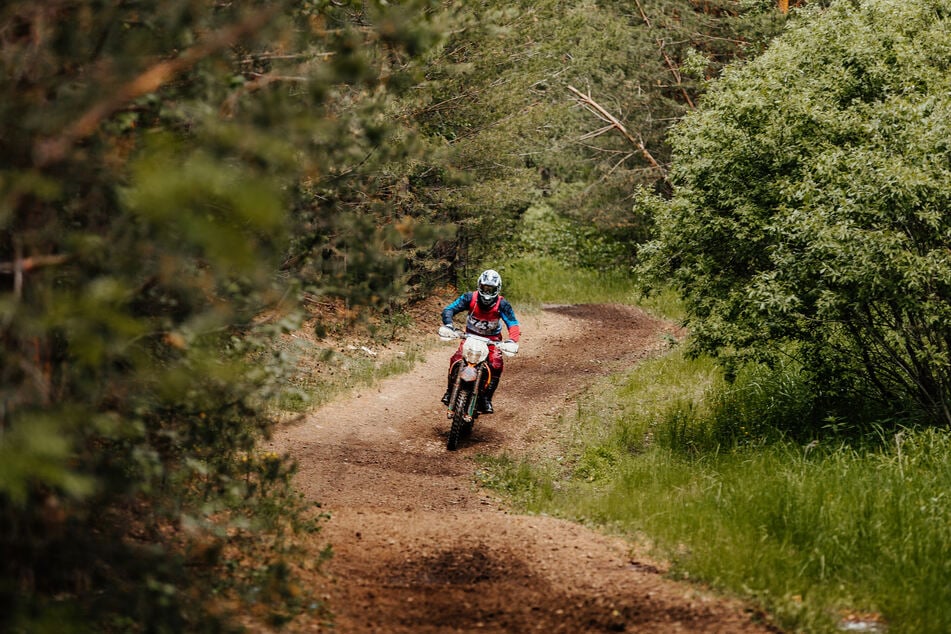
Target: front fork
(480, 372)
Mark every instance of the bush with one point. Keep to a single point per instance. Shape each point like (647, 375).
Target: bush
(810, 212)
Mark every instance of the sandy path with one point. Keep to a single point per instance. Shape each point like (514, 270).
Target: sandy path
(419, 548)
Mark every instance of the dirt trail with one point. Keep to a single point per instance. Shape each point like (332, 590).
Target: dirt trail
(419, 548)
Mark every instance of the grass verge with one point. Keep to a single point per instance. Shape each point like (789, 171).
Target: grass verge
(826, 536)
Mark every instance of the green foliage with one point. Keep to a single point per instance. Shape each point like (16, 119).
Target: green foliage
(545, 233)
(504, 134)
(812, 187)
(159, 162)
(765, 403)
(552, 259)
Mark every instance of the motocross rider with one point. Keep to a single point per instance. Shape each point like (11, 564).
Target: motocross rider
(487, 310)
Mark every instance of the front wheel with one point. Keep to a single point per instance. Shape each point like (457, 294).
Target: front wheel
(457, 429)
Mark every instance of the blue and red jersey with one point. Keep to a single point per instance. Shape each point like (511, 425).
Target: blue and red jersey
(485, 322)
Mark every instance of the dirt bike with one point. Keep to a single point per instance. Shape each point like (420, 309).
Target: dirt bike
(471, 375)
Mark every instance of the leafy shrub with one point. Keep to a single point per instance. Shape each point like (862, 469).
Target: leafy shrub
(810, 210)
(542, 232)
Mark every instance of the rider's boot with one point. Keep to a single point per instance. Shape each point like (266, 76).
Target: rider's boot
(485, 399)
(445, 397)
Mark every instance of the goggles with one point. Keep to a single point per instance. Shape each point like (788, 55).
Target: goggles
(488, 289)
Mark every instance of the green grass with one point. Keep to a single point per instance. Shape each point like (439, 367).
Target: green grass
(810, 535)
(810, 532)
(535, 280)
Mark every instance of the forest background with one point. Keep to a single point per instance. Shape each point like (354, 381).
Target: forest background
(182, 182)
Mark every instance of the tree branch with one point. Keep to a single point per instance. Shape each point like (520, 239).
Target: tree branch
(25, 265)
(591, 105)
(49, 151)
(261, 80)
(670, 63)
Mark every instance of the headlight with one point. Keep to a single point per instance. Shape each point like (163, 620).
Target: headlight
(474, 351)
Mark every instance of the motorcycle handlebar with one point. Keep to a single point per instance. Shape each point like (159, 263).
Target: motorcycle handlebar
(448, 333)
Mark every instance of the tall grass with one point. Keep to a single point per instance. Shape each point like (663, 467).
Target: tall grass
(813, 535)
(814, 532)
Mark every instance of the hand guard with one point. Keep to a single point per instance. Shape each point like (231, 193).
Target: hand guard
(448, 333)
(509, 348)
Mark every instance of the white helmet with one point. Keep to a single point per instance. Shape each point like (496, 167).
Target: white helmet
(490, 285)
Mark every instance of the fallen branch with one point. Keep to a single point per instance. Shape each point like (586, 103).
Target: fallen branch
(592, 106)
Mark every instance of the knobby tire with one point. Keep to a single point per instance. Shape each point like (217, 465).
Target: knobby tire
(458, 421)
